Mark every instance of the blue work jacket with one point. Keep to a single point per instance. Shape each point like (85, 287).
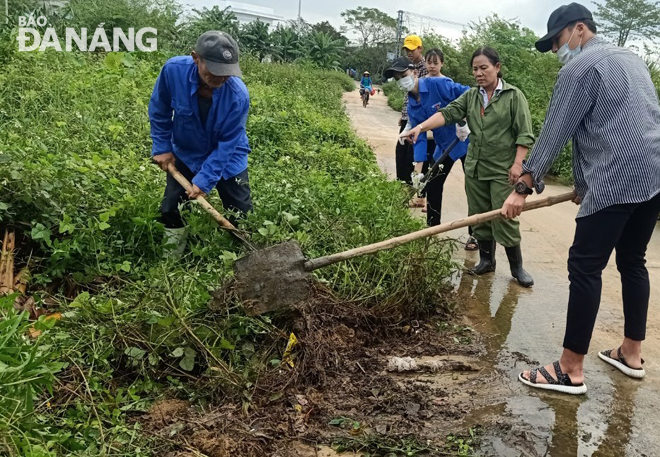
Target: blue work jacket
(435, 93)
(215, 151)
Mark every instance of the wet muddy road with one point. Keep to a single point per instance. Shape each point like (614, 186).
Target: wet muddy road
(618, 416)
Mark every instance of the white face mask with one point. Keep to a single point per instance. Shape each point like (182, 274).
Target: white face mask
(566, 54)
(407, 83)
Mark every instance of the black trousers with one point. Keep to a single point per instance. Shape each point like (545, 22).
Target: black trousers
(234, 193)
(626, 229)
(404, 157)
(434, 191)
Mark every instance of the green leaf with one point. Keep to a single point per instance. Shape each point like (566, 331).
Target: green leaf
(104, 226)
(166, 322)
(4, 206)
(153, 359)
(81, 300)
(135, 353)
(188, 361)
(128, 60)
(40, 232)
(224, 344)
(178, 352)
(113, 60)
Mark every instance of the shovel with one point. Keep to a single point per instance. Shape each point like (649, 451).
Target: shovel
(219, 218)
(280, 276)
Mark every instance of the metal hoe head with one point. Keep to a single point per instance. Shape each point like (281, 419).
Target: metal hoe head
(273, 278)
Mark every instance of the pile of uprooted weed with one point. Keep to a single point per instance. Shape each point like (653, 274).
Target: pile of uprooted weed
(329, 388)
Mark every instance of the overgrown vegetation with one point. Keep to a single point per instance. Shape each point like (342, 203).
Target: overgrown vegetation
(83, 196)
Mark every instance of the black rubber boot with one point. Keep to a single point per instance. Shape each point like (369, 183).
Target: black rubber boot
(486, 256)
(516, 263)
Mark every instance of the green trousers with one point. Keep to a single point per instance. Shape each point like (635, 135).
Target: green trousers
(487, 195)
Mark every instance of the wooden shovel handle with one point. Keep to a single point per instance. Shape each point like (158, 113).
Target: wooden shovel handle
(219, 218)
(315, 264)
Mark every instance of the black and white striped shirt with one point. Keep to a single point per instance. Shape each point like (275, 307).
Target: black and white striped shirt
(604, 99)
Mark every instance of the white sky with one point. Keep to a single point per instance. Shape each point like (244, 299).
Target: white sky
(532, 13)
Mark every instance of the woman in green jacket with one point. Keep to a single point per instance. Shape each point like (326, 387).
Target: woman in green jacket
(500, 136)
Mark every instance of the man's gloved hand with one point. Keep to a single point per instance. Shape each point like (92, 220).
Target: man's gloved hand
(462, 132)
(417, 183)
(404, 132)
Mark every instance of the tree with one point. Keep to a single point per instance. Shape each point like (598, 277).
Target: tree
(328, 29)
(207, 19)
(254, 38)
(454, 66)
(372, 59)
(374, 26)
(324, 51)
(162, 15)
(286, 44)
(624, 19)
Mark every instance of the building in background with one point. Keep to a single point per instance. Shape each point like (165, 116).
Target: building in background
(246, 12)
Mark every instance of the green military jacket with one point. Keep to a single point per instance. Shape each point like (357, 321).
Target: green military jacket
(495, 131)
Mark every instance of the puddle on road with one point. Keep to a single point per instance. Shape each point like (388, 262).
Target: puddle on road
(523, 327)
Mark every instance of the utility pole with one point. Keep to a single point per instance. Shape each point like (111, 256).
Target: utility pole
(300, 15)
(399, 33)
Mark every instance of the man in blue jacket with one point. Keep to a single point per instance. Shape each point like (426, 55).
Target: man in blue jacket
(198, 112)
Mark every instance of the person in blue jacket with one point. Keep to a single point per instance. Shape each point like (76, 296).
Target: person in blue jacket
(427, 96)
(366, 84)
(198, 113)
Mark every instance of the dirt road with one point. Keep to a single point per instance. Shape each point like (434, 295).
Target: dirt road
(618, 416)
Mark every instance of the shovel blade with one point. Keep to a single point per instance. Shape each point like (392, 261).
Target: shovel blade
(272, 279)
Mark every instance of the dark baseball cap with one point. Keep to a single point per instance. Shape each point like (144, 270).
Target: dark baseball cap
(559, 19)
(399, 65)
(220, 53)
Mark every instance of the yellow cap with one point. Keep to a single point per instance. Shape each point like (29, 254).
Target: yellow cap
(412, 42)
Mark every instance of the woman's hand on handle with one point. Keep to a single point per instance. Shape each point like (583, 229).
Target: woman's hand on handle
(513, 206)
(412, 134)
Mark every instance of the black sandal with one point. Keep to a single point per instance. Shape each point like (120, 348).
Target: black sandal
(562, 384)
(620, 364)
(471, 244)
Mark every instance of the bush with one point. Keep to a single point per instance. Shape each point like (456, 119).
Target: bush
(394, 95)
(80, 184)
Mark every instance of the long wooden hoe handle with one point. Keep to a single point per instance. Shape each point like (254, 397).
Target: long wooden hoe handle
(315, 264)
(219, 218)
